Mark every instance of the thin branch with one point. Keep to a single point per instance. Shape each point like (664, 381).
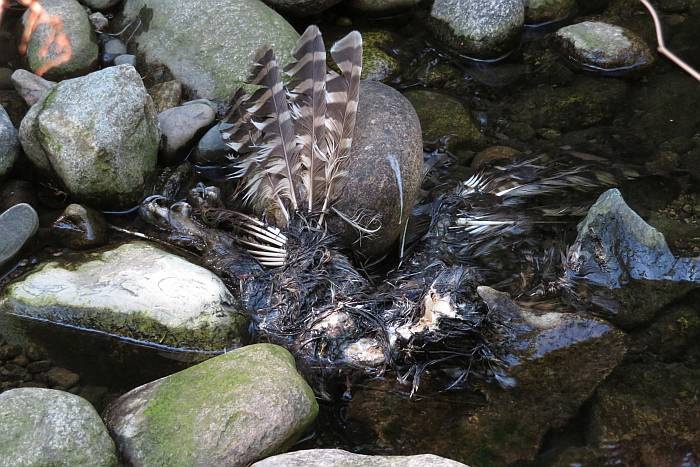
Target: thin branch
(662, 43)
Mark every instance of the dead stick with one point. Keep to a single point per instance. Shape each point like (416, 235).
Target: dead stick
(662, 44)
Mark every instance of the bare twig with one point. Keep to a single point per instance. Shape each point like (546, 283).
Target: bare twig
(662, 43)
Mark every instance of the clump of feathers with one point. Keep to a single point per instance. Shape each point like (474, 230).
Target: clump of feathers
(292, 141)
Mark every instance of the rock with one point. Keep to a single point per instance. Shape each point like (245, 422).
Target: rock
(615, 245)
(301, 7)
(385, 176)
(377, 63)
(166, 95)
(553, 363)
(604, 47)
(80, 227)
(230, 410)
(16, 192)
(30, 86)
(48, 427)
(99, 4)
(98, 21)
(443, 116)
(493, 155)
(9, 143)
(144, 293)
(125, 59)
(479, 28)
(99, 135)
(9, 351)
(39, 366)
(381, 7)
(670, 335)
(648, 410)
(338, 457)
(545, 11)
(211, 147)
(208, 45)
(61, 377)
(111, 49)
(179, 126)
(47, 57)
(18, 224)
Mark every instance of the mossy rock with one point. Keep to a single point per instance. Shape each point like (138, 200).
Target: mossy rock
(231, 410)
(444, 116)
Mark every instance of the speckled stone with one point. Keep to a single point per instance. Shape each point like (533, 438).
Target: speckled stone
(98, 134)
(231, 410)
(387, 134)
(478, 28)
(30, 86)
(17, 225)
(9, 143)
(48, 427)
(207, 45)
(604, 46)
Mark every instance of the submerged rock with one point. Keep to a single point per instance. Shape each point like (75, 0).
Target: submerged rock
(552, 364)
(337, 457)
(208, 45)
(649, 412)
(377, 63)
(604, 47)
(382, 7)
(166, 95)
(9, 143)
(18, 224)
(47, 56)
(384, 178)
(230, 410)
(98, 134)
(143, 293)
(48, 427)
(544, 11)
(485, 29)
(443, 116)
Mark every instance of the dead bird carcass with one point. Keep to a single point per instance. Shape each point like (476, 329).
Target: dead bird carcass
(282, 241)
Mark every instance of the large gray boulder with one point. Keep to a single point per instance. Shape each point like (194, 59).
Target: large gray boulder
(49, 427)
(208, 45)
(48, 56)
(9, 143)
(135, 291)
(231, 410)
(386, 170)
(338, 457)
(479, 28)
(97, 134)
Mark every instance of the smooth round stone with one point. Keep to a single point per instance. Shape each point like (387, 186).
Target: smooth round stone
(211, 147)
(48, 427)
(78, 30)
(301, 7)
(111, 49)
(544, 11)
(604, 47)
(179, 126)
(17, 225)
(9, 143)
(338, 458)
(485, 29)
(384, 176)
(80, 227)
(380, 7)
(30, 86)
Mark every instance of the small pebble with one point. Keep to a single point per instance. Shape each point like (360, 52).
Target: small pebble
(98, 21)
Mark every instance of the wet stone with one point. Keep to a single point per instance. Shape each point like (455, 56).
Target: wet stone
(179, 126)
(486, 29)
(39, 366)
(494, 155)
(9, 144)
(211, 147)
(80, 227)
(9, 351)
(382, 7)
(604, 47)
(166, 95)
(544, 11)
(18, 224)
